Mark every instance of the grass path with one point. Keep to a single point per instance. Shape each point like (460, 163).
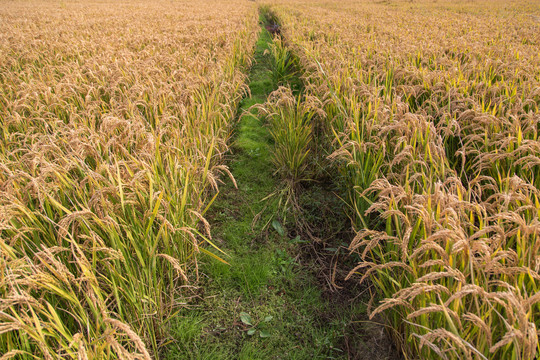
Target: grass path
(268, 284)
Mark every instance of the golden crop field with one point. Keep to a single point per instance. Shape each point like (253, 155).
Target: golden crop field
(116, 125)
(435, 111)
(113, 122)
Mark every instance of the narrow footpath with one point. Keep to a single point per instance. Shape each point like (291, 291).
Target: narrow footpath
(268, 303)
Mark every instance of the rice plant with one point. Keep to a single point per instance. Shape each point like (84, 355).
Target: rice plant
(284, 64)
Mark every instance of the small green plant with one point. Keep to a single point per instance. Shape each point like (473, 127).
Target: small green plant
(278, 227)
(283, 261)
(254, 327)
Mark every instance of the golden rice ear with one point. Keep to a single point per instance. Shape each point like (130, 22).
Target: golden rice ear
(176, 265)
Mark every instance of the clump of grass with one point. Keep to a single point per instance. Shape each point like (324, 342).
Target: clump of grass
(284, 63)
(290, 120)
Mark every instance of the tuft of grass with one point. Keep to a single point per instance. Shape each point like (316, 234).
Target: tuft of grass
(290, 121)
(284, 63)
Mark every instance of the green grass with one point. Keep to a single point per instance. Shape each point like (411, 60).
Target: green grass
(266, 277)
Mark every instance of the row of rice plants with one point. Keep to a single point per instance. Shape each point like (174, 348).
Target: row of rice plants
(113, 122)
(291, 117)
(436, 126)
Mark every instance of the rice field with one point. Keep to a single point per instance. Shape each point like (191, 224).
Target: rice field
(114, 122)
(434, 115)
(114, 126)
